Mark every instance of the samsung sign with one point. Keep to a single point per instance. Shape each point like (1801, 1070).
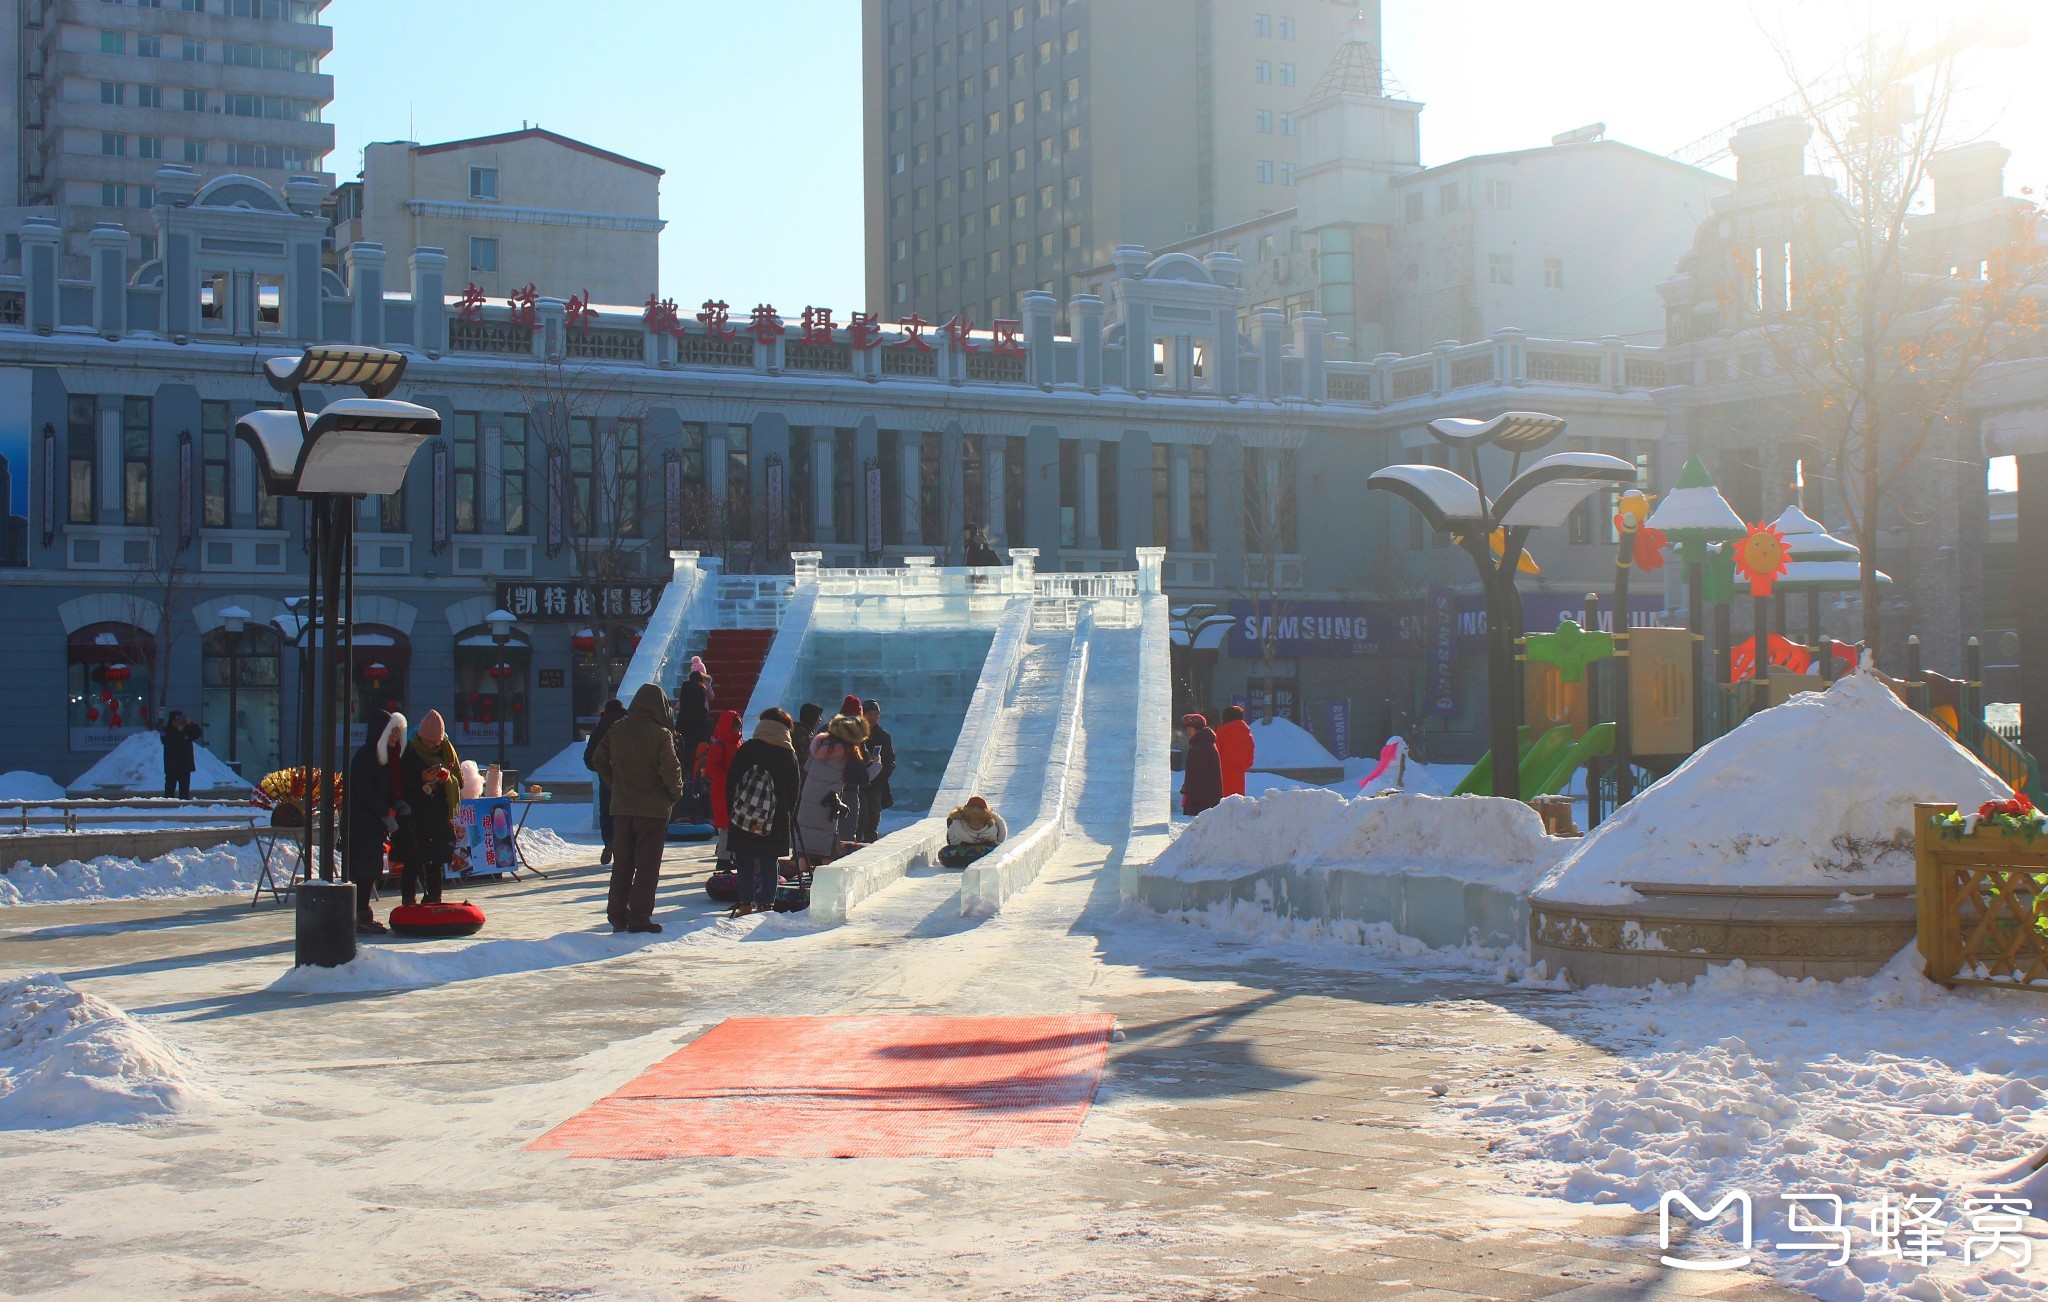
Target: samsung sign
(1324, 628)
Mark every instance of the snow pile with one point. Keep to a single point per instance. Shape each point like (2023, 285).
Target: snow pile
(1471, 838)
(70, 1059)
(221, 870)
(566, 767)
(1401, 773)
(1284, 746)
(136, 767)
(543, 846)
(1873, 1087)
(20, 784)
(1818, 791)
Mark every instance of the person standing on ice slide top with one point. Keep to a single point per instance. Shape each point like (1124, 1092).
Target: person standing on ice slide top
(375, 804)
(1201, 779)
(1236, 749)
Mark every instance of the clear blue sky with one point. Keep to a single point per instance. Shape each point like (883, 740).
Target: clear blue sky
(753, 106)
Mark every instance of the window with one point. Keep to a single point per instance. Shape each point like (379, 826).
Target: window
(1287, 174)
(1044, 53)
(1264, 246)
(1017, 19)
(994, 75)
(967, 178)
(1020, 158)
(113, 92)
(995, 261)
(1286, 124)
(902, 250)
(900, 205)
(1262, 24)
(993, 30)
(1074, 236)
(483, 182)
(1500, 194)
(1045, 196)
(970, 223)
(1045, 245)
(945, 278)
(1073, 43)
(149, 146)
(995, 121)
(923, 241)
(1271, 513)
(81, 441)
(896, 120)
(896, 75)
(135, 461)
(1500, 269)
(945, 188)
(149, 47)
(112, 195)
(193, 52)
(145, 197)
(995, 214)
(1019, 206)
(919, 65)
(1286, 74)
(993, 169)
(1553, 273)
(1262, 121)
(901, 291)
(1018, 66)
(1286, 31)
(149, 96)
(1045, 101)
(1073, 187)
(923, 153)
(1073, 89)
(1017, 111)
(113, 144)
(195, 151)
(1411, 206)
(216, 445)
(1447, 198)
(213, 299)
(113, 43)
(1265, 171)
(1046, 153)
(1020, 253)
(1073, 138)
(900, 162)
(193, 101)
(466, 463)
(896, 33)
(483, 253)
(1262, 72)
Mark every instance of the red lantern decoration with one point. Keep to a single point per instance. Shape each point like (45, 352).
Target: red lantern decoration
(375, 674)
(116, 721)
(585, 642)
(118, 673)
(93, 715)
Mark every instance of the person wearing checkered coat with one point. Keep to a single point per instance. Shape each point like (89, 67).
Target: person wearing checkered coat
(754, 853)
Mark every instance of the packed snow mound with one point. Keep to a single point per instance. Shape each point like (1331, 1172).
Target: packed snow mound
(1472, 838)
(1818, 791)
(566, 766)
(1284, 745)
(68, 1058)
(136, 767)
(20, 784)
(222, 870)
(1402, 773)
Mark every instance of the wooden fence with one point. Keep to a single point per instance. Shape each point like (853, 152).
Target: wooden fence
(1983, 903)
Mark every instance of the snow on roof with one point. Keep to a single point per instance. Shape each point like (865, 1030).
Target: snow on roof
(1283, 744)
(1818, 791)
(1701, 511)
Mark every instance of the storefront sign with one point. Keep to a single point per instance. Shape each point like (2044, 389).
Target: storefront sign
(551, 678)
(559, 602)
(483, 838)
(1440, 639)
(1322, 628)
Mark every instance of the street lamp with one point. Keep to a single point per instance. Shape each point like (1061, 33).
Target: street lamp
(1543, 495)
(354, 447)
(234, 619)
(501, 622)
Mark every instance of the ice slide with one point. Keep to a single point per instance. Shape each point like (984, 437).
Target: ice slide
(1547, 764)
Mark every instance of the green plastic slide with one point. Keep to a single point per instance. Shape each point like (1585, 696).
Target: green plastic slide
(1598, 741)
(1479, 782)
(1547, 764)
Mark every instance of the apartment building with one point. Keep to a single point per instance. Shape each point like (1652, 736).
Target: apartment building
(112, 90)
(1011, 145)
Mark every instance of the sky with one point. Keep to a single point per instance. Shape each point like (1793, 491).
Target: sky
(753, 108)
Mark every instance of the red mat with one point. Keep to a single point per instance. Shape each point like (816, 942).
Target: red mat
(883, 1086)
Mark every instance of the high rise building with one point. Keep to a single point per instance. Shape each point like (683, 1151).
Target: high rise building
(111, 91)
(1011, 145)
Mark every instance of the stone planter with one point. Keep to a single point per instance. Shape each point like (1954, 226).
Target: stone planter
(1675, 933)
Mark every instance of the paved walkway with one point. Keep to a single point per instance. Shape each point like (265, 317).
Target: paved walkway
(1259, 1131)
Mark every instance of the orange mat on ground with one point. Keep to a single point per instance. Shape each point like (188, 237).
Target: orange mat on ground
(880, 1086)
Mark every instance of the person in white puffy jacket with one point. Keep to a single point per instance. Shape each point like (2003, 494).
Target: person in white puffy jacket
(972, 831)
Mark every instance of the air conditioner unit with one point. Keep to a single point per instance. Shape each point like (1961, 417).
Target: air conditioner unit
(1189, 228)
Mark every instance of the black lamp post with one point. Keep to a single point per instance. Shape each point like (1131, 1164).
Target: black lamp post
(501, 622)
(234, 619)
(1544, 494)
(353, 448)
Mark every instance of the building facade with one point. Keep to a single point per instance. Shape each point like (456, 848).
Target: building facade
(577, 450)
(108, 93)
(1013, 144)
(522, 207)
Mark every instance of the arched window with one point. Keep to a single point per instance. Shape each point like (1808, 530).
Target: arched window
(109, 682)
(380, 667)
(240, 705)
(491, 692)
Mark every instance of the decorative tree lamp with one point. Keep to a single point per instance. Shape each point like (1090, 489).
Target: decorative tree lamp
(1694, 514)
(355, 447)
(1820, 562)
(1543, 495)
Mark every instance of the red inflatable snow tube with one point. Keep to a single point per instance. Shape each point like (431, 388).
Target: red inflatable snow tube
(437, 920)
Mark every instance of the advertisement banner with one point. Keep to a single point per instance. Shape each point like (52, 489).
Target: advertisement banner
(1440, 655)
(15, 479)
(1323, 628)
(440, 479)
(773, 485)
(1338, 713)
(558, 501)
(874, 507)
(570, 602)
(672, 503)
(483, 838)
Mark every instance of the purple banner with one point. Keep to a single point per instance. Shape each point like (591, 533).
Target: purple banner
(1440, 655)
(1339, 714)
(440, 467)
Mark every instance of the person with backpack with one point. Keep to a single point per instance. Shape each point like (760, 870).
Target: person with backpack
(614, 710)
(718, 757)
(761, 791)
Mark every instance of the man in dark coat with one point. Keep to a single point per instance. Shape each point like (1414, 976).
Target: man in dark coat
(1201, 779)
(693, 718)
(638, 758)
(375, 804)
(180, 734)
(755, 851)
(614, 710)
(875, 796)
(978, 554)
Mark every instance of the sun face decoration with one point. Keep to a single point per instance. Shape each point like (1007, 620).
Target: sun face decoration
(1762, 557)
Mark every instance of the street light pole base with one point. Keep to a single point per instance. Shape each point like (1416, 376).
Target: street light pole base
(326, 924)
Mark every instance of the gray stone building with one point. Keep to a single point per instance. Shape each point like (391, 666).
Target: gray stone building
(108, 93)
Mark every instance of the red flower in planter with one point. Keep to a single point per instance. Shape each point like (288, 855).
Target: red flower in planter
(2017, 807)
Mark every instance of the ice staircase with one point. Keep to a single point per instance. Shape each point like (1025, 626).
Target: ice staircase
(733, 656)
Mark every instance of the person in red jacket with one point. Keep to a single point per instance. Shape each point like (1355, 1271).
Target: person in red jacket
(718, 756)
(1201, 779)
(1235, 749)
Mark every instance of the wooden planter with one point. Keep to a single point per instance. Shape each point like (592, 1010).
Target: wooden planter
(1983, 904)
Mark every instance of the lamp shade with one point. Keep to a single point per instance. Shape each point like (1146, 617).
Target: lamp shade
(1694, 511)
(376, 371)
(234, 619)
(500, 622)
(1546, 493)
(1514, 431)
(1444, 497)
(357, 446)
